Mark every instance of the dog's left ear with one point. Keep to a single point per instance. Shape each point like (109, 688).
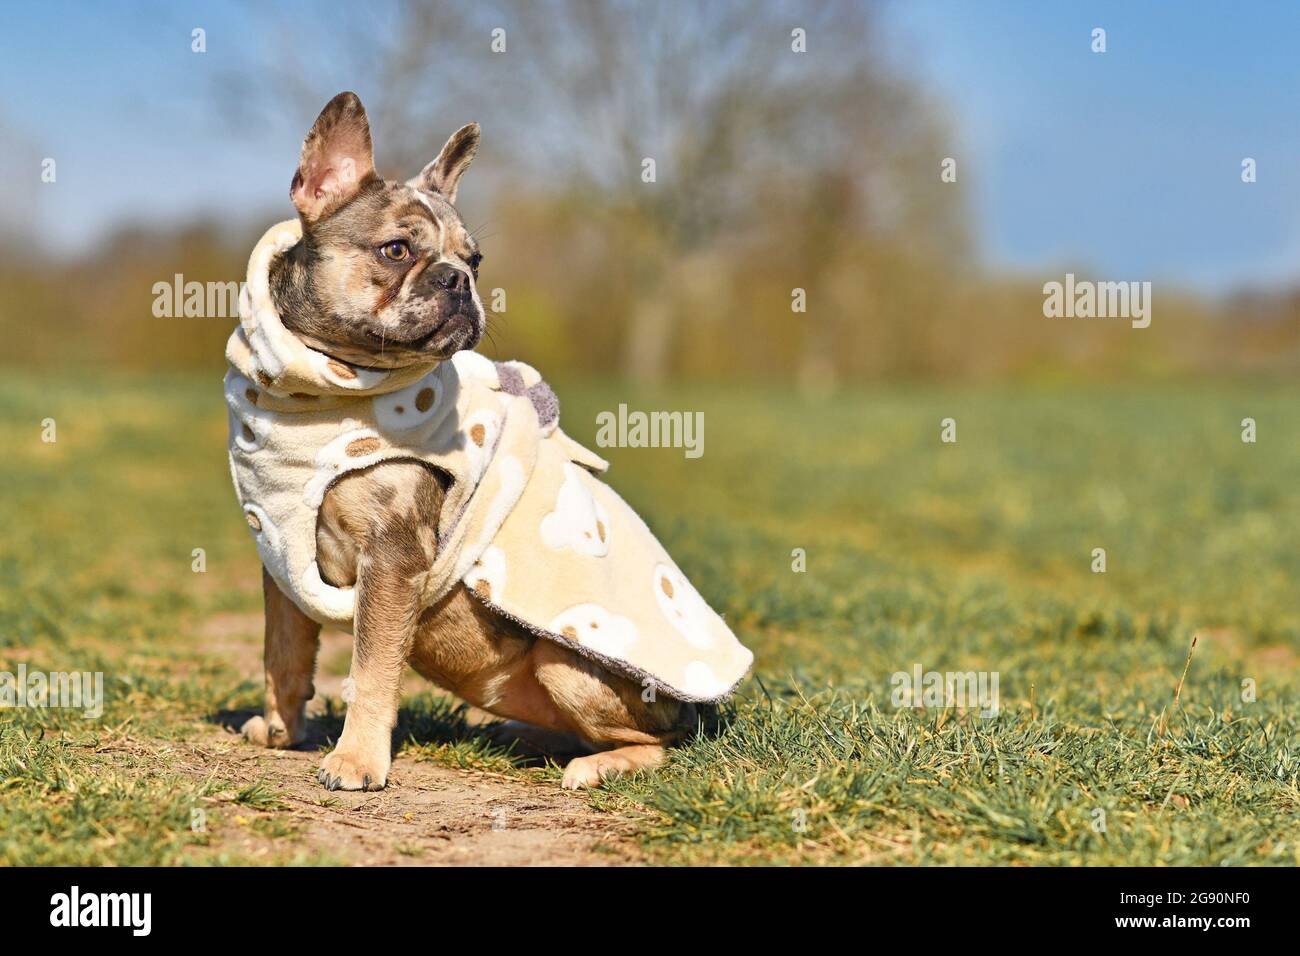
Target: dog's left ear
(443, 174)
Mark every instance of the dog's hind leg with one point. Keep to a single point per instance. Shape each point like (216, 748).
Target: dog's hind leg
(610, 711)
(591, 771)
(291, 642)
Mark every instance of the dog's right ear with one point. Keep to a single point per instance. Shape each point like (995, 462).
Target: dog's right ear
(337, 159)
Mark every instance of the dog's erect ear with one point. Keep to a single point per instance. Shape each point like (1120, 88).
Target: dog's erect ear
(336, 158)
(443, 174)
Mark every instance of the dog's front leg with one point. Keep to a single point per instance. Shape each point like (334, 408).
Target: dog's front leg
(388, 588)
(291, 642)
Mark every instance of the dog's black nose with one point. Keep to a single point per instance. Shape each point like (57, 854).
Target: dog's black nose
(448, 277)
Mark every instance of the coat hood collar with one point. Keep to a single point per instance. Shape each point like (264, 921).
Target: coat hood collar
(264, 351)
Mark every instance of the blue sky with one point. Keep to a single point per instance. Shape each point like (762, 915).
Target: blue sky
(113, 93)
(1126, 163)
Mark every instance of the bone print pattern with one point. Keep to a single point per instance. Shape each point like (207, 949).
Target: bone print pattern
(355, 448)
(419, 404)
(596, 629)
(579, 522)
(701, 681)
(480, 432)
(249, 425)
(270, 546)
(344, 375)
(487, 578)
(683, 606)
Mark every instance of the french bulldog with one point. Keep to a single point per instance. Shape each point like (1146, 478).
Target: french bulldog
(386, 272)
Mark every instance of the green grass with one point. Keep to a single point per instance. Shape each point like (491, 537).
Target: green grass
(967, 557)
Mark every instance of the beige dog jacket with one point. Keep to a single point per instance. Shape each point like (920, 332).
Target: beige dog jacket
(525, 523)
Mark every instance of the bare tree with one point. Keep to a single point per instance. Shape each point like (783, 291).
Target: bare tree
(746, 107)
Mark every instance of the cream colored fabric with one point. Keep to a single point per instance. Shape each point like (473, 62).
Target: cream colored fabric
(526, 523)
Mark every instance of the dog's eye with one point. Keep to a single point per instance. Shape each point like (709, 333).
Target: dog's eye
(395, 251)
(474, 261)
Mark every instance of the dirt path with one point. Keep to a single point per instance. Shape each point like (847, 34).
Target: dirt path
(427, 815)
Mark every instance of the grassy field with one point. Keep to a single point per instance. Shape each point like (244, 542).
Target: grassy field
(973, 556)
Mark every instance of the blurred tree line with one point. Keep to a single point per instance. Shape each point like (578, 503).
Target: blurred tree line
(788, 155)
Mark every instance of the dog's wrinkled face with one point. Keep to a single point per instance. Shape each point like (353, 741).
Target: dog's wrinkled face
(386, 271)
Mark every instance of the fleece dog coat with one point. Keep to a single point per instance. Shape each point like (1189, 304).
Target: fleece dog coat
(526, 524)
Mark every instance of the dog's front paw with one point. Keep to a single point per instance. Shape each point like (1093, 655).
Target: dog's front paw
(269, 733)
(345, 771)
